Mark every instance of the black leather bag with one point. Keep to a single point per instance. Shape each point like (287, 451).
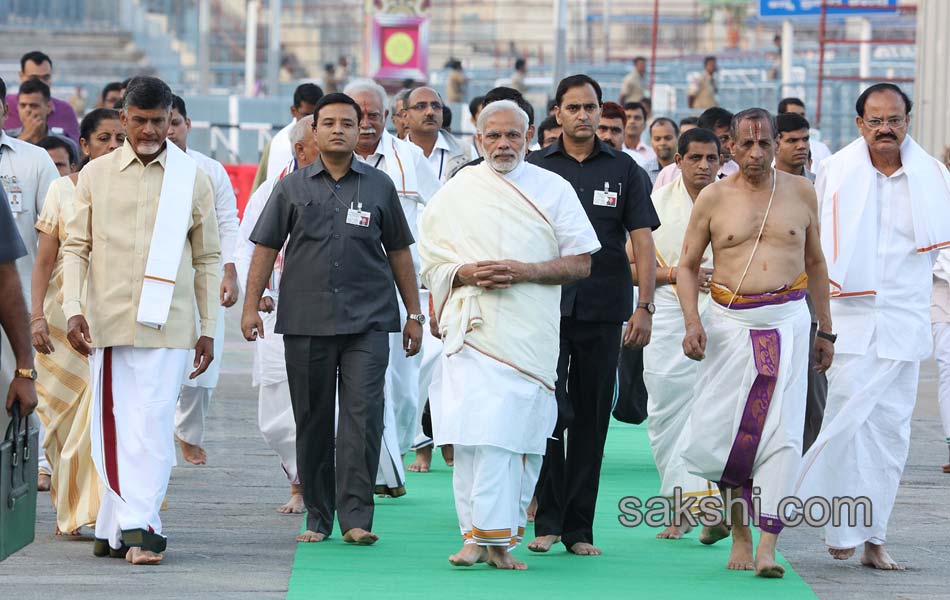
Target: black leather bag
(631, 404)
(18, 469)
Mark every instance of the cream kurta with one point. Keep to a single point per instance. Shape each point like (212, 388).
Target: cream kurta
(107, 247)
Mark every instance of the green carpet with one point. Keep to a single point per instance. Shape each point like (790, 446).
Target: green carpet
(419, 531)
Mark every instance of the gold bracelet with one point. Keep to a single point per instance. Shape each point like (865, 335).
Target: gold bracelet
(670, 275)
(35, 319)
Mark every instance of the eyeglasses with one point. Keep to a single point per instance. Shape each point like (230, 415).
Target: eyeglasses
(893, 123)
(421, 106)
(576, 108)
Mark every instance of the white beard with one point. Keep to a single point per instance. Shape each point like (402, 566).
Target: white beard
(148, 148)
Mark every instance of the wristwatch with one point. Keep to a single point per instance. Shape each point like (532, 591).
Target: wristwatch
(831, 337)
(26, 374)
(421, 318)
(647, 306)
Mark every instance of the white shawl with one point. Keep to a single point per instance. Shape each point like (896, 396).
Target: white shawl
(168, 237)
(480, 215)
(847, 196)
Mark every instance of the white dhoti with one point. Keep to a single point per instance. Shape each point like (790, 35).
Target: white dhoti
(401, 404)
(670, 377)
(275, 414)
(500, 434)
(195, 399)
(134, 393)
(747, 419)
(430, 363)
(863, 444)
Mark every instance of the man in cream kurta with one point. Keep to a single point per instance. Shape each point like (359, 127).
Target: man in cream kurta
(668, 374)
(144, 241)
(493, 396)
(415, 183)
(883, 203)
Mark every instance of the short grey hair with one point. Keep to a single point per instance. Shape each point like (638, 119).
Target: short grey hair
(366, 85)
(500, 106)
(300, 130)
(752, 114)
(402, 96)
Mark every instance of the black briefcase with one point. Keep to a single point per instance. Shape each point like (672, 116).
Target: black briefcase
(18, 469)
(631, 404)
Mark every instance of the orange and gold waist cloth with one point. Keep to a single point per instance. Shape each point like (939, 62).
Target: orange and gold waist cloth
(787, 293)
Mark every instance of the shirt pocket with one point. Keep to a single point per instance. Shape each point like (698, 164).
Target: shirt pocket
(312, 219)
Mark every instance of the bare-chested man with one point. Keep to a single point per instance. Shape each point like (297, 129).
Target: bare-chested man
(748, 418)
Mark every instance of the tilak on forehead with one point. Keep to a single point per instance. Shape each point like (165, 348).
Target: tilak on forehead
(755, 129)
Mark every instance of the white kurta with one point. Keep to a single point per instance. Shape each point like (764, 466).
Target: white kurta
(476, 400)
(275, 416)
(281, 151)
(872, 385)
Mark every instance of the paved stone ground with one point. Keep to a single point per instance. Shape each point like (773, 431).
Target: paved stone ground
(226, 541)
(225, 538)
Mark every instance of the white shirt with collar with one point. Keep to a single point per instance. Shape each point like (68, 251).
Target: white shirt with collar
(26, 171)
(225, 203)
(899, 314)
(412, 174)
(642, 153)
(439, 159)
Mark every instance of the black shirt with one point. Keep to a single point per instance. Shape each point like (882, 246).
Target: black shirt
(607, 295)
(336, 277)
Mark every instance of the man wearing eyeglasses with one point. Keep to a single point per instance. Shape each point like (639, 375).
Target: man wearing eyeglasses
(615, 193)
(883, 212)
(424, 119)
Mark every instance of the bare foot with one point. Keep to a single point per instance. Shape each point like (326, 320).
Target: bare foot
(740, 557)
(673, 532)
(469, 555)
(360, 536)
(543, 543)
(138, 556)
(585, 549)
(500, 558)
(532, 509)
(448, 455)
(423, 460)
(311, 536)
(876, 556)
(841, 553)
(765, 565)
(711, 535)
(43, 482)
(192, 453)
(946, 468)
(67, 533)
(294, 506)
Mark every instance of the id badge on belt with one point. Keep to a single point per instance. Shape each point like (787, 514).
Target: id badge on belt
(605, 197)
(357, 216)
(14, 193)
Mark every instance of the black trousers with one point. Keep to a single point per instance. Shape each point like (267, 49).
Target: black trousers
(586, 371)
(346, 486)
(816, 396)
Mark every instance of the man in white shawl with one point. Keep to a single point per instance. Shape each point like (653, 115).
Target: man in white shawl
(415, 183)
(496, 244)
(884, 217)
(668, 374)
(747, 417)
(143, 243)
(275, 414)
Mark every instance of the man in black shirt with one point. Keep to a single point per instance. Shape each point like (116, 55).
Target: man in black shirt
(347, 240)
(615, 192)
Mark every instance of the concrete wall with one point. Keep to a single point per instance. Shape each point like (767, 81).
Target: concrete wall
(931, 125)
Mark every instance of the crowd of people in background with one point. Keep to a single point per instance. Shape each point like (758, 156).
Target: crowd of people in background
(406, 289)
